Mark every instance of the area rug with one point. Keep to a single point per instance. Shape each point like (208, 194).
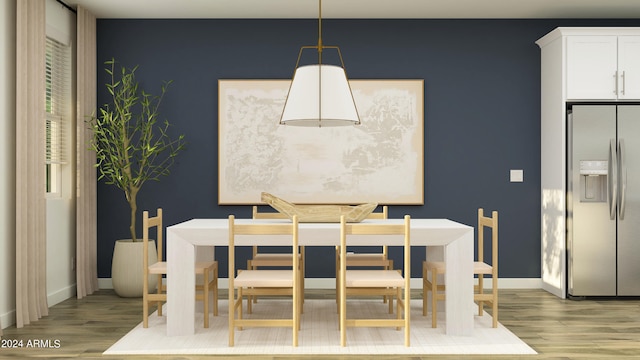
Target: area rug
(319, 334)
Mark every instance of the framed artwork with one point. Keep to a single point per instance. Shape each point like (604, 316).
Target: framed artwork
(381, 160)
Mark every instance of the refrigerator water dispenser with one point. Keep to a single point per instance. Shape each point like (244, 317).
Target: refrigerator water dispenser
(593, 180)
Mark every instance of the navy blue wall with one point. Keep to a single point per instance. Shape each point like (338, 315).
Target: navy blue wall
(482, 113)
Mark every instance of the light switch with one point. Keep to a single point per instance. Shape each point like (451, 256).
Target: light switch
(517, 175)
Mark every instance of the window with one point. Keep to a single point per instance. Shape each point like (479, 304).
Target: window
(58, 111)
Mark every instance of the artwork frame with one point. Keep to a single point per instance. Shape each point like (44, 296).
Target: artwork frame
(381, 160)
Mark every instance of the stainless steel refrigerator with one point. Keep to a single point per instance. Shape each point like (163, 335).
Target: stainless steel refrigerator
(603, 200)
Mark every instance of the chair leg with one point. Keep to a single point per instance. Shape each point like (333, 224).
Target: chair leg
(398, 304)
(240, 304)
(434, 298)
(343, 316)
(296, 313)
(424, 290)
(339, 302)
(301, 292)
(232, 315)
(388, 298)
(494, 303)
(480, 291)
(159, 290)
(250, 297)
(215, 290)
(145, 311)
(407, 317)
(385, 298)
(337, 273)
(205, 298)
(301, 304)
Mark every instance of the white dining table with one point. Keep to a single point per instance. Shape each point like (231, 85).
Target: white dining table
(446, 240)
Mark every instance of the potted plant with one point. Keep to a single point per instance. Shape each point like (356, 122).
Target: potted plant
(132, 146)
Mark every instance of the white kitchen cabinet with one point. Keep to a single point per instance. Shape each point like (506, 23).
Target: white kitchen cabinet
(577, 65)
(592, 65)
(605, 67)
(629, 67)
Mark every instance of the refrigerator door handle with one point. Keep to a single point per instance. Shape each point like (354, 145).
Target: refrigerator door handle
(612, 179)
(623, 178)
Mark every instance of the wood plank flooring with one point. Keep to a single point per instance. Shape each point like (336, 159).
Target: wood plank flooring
(555, 328)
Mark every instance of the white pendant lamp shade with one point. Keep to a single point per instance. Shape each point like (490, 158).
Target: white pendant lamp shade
(319, 96)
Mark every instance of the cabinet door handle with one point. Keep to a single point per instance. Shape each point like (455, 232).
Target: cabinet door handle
(624, 82)
(615, 89)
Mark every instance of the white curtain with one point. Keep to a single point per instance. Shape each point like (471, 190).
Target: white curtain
(86, 221)
(31, 280)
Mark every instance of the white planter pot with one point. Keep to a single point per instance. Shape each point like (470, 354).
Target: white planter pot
(127, 267)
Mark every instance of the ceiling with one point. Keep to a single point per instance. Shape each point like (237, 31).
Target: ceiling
(386, 9)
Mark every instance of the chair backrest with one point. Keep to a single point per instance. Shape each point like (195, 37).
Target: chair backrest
(491, 223)
(404, 229)
(384, 214)
(266, 215)
(148, 223)
(261, 229)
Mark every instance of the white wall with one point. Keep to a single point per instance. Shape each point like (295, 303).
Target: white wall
(7, 161)
(61, 283)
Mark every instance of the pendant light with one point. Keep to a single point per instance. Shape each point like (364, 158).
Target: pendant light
(320, 94)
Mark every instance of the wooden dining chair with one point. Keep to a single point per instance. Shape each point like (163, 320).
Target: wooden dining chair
(263, 281)
(365, 259)
(375, 282)
(480, 269)
(207, 269)
(273, 259)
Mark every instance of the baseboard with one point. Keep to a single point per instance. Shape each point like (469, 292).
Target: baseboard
(105, 283)
(61, 295)
(9, 319)
(416, 283)
(554, 290)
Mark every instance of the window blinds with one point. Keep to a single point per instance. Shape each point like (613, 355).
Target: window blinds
(58, 100)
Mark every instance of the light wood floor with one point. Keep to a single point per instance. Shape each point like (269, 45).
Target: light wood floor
(555, 328)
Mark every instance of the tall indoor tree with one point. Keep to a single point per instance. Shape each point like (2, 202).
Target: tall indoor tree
(132, 145)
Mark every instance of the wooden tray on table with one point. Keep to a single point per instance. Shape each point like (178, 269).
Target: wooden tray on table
(319, 213)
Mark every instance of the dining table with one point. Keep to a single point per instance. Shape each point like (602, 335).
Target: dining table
(445, 240)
